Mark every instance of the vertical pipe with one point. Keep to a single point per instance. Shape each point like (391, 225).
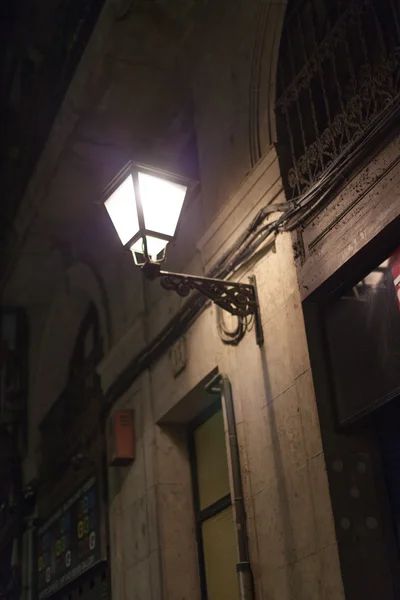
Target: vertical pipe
(245, 577)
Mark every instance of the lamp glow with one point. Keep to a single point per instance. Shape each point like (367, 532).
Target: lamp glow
(121, 207)
(162, 203)
(144, 206)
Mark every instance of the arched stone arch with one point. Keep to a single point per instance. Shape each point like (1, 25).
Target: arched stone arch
(262, 120)
(81, 287)
(82, 277)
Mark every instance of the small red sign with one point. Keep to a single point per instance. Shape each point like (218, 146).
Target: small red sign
(395, 266)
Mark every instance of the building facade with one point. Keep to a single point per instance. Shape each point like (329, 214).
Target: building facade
(274, 465)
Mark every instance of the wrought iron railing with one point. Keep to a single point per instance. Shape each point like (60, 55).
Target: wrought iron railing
(339, 72)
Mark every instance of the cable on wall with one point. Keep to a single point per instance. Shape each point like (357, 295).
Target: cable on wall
(231, 337)
(246, 246)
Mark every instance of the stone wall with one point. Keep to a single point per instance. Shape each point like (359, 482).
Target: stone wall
(291, 531)
(152, 535)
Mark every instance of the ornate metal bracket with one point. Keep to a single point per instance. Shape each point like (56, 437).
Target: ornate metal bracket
(239, 299)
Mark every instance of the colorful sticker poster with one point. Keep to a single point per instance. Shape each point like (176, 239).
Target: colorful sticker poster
(68, 543)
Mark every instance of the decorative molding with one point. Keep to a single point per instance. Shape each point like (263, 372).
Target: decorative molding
(368, 204)
(339, 211)
(255, 79)
(178, 356)
(262, 89)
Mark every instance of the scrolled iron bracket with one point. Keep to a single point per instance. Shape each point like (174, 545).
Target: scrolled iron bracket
(239, 299)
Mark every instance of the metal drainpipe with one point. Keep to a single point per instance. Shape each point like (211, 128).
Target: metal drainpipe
(222, 385)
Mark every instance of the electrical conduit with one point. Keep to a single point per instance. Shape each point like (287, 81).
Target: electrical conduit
(222, 385)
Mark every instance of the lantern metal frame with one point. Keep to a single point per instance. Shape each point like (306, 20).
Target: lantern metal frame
(133, 168)
(237, 298)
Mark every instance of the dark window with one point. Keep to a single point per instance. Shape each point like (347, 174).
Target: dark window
(36, 69)
(363, 332)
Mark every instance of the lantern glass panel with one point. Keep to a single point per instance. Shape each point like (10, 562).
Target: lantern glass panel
(121, 207)
(162, 202)
(155, 247)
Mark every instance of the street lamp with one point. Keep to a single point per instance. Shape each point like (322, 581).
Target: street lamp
(145, 206)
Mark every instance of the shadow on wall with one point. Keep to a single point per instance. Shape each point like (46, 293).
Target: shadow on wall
(284, 518)
(81, 287)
